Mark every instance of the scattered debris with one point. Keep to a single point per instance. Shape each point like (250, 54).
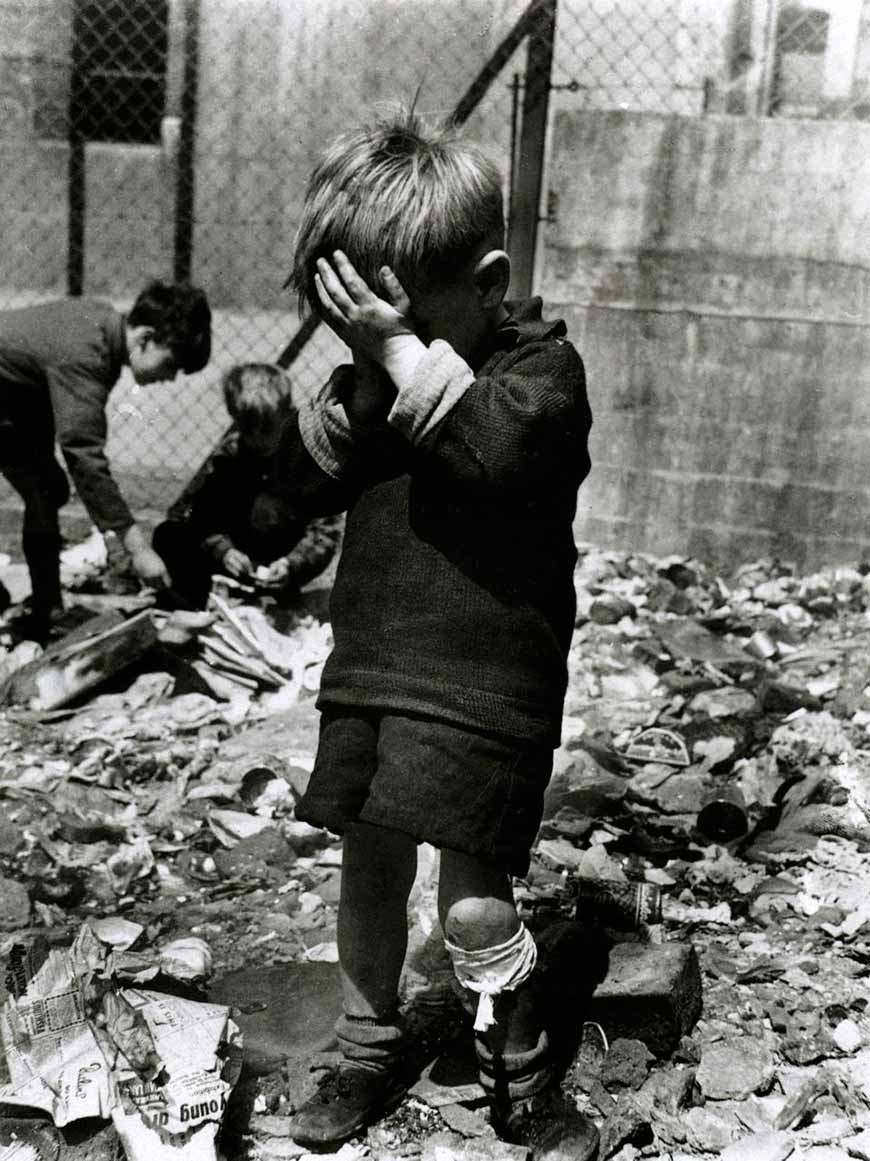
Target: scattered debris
(699, 888)
(79, 1045)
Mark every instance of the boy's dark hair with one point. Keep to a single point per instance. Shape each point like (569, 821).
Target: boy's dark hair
(254, 392)
(420, 200)
(181, 319)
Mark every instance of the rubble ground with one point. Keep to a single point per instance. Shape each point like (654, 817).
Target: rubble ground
(699, 888)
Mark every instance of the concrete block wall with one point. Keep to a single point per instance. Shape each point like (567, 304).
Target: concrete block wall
(128, 189)
(716, 275)
(278, 79)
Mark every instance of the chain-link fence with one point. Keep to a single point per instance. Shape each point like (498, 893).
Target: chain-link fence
(173, 138)
(696, 57)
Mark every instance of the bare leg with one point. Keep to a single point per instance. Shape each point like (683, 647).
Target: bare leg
(377, 874)
(376, 878)
(475, 902)
(477, 910)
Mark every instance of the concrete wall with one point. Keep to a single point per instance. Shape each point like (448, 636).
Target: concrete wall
(34, 39)
(128, 189)
(278, 79)
(716, 274)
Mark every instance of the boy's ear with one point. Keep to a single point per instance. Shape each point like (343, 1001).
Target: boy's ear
(491, 277)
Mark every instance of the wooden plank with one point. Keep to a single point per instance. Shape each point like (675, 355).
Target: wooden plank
(223, 655)
(75, 667)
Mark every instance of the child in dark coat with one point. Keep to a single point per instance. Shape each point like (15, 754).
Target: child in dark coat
(230, 519)
(58, 363)
(460, 435)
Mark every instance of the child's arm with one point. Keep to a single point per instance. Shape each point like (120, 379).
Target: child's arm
(519, 430)
(308, 559)
(379, 331)
(79, 404)
(343, 433)
(372, 395)
(344, 426)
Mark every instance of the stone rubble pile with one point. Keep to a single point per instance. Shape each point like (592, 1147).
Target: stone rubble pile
(714, 769)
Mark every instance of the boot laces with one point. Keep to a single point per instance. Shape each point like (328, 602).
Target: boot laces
(340, 1084)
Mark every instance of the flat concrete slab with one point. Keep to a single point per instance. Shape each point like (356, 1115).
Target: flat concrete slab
(287, 1010)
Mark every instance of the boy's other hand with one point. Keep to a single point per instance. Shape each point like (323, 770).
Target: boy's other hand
(363, 320)
(150, 568)
(373, 392)
(237, 563)
(276, 575)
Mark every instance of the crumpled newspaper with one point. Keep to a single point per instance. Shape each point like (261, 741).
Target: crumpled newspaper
(81, 562)
(78, 1043)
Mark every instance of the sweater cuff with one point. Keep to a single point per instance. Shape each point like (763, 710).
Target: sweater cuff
(324, 427)
(329, 437)
(440, 380)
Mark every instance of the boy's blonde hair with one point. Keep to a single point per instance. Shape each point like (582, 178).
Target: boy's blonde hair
(254, 392)
(421, 200)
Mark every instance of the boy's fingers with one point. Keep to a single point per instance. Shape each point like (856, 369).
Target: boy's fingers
(355, 284)
(396, 293)
(329, 308)
(334, 287)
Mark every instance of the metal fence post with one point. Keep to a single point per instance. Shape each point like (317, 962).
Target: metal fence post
(184, 173)
(526, 195)
(75, 255)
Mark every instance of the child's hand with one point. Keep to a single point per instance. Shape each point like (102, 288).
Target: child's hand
(358, 316)
(237, 563)
(276, 574)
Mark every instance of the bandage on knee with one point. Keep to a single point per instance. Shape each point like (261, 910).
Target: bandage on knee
(493, 970)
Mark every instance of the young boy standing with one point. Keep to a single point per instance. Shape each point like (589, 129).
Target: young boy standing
(58, 362)
(230, 518)
(460, 432)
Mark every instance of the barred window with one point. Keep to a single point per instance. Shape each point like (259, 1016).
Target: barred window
(119, 59)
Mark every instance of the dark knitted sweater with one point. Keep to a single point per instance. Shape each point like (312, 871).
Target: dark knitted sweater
(71, 351)
(217, 507)
(454, 595)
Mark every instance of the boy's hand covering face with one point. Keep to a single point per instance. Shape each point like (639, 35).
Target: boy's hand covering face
(358, 316)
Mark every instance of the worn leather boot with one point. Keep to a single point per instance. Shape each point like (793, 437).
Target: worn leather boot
(527, 1105)
(347, 1101)
(550, 1125)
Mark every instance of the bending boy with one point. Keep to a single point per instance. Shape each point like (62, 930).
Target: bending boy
(460, 431)
(230, 517)
(58, 363)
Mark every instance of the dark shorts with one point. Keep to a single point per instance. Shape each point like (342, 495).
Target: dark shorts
(445, 784)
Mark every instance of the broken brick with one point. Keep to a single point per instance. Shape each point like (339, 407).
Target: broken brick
(652, 992)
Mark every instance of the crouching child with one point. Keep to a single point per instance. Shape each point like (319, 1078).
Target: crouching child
(239, 515)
